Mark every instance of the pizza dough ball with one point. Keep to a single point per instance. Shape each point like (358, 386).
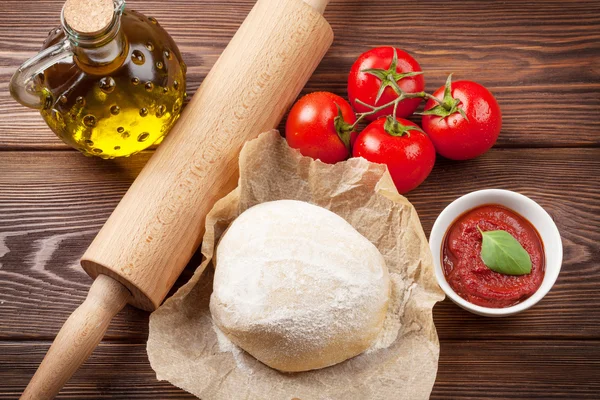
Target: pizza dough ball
(297, 287)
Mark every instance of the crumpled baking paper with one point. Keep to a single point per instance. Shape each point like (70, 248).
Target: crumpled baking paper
(183, 347)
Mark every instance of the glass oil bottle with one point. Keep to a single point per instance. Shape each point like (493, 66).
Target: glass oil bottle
(108, 94)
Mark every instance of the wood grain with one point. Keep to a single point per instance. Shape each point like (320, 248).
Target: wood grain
(497, 369)
(77, 338)
(540, 58)
(47, 220)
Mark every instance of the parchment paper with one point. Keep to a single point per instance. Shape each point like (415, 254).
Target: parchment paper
(183, 347)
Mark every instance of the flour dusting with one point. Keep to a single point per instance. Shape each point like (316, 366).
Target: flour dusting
(227, 346)
(297, 287)
(391, 324)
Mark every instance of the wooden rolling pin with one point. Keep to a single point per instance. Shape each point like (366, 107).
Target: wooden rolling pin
(159, 223)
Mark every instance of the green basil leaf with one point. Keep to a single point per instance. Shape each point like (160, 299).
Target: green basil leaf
(502, 253)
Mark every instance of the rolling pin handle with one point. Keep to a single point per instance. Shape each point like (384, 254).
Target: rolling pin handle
(78, 337)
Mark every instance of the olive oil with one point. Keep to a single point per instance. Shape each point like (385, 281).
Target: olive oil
(121, 106)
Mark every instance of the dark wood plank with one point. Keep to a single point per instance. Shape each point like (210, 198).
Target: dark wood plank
(114, 371)
(53, 203)
(540, 58)
(530, 369)
(494, 369)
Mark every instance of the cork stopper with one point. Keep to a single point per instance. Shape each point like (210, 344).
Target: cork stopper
(88, 16)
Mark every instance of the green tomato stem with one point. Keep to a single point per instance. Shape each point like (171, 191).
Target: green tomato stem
(403, 96)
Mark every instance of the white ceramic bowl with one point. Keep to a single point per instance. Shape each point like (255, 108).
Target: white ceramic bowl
(524, 206)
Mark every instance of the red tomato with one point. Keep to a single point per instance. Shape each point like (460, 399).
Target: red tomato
(455, 136)
(403, 147)
(313, 129)
(368, 77)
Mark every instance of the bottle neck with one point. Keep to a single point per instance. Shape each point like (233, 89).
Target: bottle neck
(104, 50)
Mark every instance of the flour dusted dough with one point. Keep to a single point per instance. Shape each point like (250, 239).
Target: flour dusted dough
(297, 287)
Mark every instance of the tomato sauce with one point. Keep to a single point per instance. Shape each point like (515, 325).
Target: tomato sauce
(465, 271)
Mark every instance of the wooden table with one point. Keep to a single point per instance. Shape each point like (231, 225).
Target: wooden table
(540, 58)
